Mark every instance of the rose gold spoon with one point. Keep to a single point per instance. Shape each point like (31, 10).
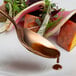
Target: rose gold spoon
(33, 41)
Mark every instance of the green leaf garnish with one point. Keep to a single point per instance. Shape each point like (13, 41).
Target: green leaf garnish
(47, 2)
(56, 16)
(17, 6)
(7, 6)
(38, 21)
(53, 5)
(42, 29)
(53, 24)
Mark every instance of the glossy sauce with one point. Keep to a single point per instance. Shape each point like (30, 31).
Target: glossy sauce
(48, 52)
(57, 67)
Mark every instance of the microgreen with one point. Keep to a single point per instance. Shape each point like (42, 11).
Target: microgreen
(47, 2)
(53, 24)
(53, 5)
(38, 21)
(7, 6)
(17, 6)
(56, 16)
(42, 29)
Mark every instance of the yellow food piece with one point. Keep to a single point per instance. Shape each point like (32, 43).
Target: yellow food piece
(73, 44)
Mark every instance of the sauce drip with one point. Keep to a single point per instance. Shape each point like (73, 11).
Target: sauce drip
(57, 67)
(48, 52)
(57, 60)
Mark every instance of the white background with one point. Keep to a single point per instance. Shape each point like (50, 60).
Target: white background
(67, 4)
(15, 60)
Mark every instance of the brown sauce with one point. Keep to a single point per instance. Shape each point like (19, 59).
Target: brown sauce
(48, 52)
(57, 67)
(57, 59)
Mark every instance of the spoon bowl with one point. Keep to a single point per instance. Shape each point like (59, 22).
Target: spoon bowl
(33, 41)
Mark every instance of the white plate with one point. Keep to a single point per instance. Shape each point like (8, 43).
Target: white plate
(15, 60)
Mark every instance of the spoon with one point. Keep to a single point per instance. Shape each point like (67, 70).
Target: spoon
(33, 41)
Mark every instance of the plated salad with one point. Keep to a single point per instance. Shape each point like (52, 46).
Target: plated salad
(43, 17)
(46, 10)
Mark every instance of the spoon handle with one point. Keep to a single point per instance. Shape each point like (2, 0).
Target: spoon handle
(10, 18)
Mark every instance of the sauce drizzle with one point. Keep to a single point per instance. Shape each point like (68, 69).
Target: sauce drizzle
(57, 66)
(48, 52)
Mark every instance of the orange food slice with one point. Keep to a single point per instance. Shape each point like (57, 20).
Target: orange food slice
(67, 35)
